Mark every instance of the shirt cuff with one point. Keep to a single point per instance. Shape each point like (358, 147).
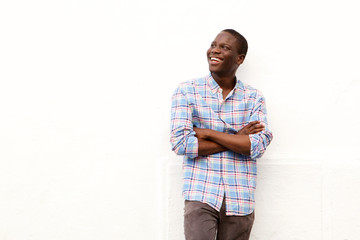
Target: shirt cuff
(255, 145)
(192, 147)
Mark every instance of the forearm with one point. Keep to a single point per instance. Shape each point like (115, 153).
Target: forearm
(234, 142)
(206, 147)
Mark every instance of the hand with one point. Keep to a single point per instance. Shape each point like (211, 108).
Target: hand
(251, 128)
(201, 133)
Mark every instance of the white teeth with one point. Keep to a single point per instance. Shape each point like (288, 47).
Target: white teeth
(215, 59)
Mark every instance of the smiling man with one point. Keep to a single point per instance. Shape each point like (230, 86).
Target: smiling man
(219, 124)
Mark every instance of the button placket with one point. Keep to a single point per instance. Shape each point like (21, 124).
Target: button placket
(220, 96)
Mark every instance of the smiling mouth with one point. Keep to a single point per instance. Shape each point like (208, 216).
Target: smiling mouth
(215, 60)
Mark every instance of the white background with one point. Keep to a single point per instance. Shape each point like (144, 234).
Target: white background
(85, 90)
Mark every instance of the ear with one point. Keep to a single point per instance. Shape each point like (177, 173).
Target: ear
(240, 59)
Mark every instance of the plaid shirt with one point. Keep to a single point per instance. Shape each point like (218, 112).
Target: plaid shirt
(209, 178)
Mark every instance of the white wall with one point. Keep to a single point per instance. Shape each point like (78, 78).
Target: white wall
(85, 91)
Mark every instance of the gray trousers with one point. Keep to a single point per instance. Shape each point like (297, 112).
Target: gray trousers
(202, 222)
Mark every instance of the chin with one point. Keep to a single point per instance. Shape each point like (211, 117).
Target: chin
(213, 69)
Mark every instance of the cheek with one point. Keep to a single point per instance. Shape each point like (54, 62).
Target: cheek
(208, 52)
(236, 60)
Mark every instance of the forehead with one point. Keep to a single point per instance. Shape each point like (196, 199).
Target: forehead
(225, 37)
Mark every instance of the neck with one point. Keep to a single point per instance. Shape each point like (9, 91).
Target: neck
(225, 82)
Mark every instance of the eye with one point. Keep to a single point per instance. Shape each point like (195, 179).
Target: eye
(225, 47)
(213, 45)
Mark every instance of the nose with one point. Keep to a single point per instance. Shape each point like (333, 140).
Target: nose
(215, 49)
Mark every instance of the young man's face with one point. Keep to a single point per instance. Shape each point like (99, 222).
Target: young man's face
(223, 56)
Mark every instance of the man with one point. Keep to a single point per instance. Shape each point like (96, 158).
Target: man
(219, 124)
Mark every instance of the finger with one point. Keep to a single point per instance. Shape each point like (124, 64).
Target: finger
(256, 125)
(251, 124)
(260, 125)
(257, 128)
(254, 122)
(255, 131)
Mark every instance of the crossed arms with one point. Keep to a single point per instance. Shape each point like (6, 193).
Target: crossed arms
(192, 142)
(211, 141)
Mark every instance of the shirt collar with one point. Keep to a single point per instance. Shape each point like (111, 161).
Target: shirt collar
(214, 86)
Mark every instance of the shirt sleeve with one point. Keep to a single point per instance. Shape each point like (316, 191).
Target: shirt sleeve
(260, 141)
(182, 137)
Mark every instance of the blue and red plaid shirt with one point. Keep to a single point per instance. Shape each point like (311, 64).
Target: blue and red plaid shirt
(209, 178)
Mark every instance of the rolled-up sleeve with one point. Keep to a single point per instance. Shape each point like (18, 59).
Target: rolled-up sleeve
(260, 141)
(182, 139)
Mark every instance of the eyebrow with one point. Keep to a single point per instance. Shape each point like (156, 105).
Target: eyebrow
(227, 44)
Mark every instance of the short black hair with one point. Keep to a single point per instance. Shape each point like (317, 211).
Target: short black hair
(243, 45)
